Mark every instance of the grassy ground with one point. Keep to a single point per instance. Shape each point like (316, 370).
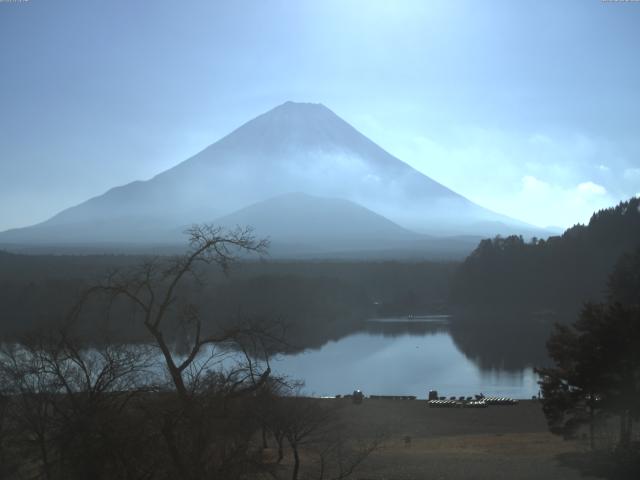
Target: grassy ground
(498, 442)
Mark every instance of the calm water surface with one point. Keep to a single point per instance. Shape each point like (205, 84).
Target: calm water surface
(392, 363)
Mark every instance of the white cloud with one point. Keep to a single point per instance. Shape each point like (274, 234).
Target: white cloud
(540, 178)
(591, 188)
(532, 184)
(544, 203)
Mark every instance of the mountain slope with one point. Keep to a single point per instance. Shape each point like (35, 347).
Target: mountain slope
(301, 147)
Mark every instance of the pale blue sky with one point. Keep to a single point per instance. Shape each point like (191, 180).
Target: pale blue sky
(531, 109)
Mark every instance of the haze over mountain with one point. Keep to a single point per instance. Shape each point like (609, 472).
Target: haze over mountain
(295, 147)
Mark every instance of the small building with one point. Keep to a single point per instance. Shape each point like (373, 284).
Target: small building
(358, 396)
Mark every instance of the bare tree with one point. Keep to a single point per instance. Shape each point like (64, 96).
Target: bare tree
(31, 394)
(7, 463)
(153, 289)
(65, 404)
(306, 422)
(340, 457)
(314, 431)
(271, 411)
(204, 433)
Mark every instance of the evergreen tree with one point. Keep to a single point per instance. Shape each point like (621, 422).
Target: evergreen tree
(597, 361)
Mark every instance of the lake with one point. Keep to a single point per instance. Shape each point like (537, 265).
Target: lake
(401, 357)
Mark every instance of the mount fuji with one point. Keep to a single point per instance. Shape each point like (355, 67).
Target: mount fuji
(295, 147)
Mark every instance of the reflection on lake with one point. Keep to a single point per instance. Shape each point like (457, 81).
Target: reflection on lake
(402, 358)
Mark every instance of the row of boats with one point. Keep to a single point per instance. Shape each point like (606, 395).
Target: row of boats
(469, 402)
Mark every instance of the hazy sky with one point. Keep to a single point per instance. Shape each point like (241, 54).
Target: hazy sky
(531, 109)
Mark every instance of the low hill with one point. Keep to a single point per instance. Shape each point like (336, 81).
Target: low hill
(325, 223)
(301, 225)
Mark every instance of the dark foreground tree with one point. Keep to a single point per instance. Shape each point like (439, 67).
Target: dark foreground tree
(624, 282)
(597, 362)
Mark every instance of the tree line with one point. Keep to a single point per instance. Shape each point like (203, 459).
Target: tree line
(319, 300)
(555, 274)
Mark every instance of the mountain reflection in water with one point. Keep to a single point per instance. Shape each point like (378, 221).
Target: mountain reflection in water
(409, 356)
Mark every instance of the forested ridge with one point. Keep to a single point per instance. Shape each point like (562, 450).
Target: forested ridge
(554, 275)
